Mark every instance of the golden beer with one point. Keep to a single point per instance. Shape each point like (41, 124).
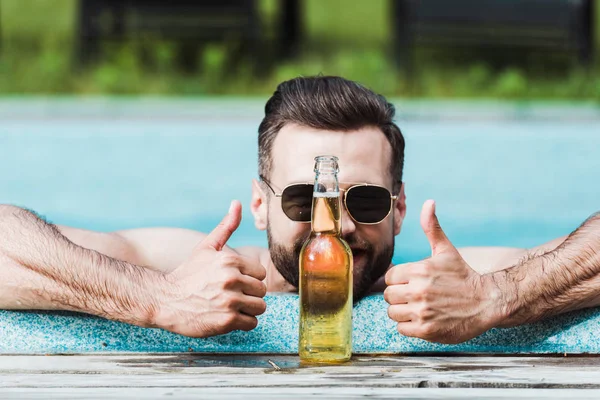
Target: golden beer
(325, 280)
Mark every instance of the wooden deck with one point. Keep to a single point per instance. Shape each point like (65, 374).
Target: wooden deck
(152, 376)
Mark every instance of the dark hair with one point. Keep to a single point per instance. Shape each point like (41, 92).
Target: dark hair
(329, 103)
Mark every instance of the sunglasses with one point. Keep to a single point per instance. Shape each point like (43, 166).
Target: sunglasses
(366, 204)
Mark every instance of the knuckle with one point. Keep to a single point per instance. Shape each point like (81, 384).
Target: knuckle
(261, 307)
(427, 296)
(228, 259)
(393, 296)
(228, 302)
(228, 320)
(230, 279)
(424, 312)
(251, 324)
(419, 293)
(424, 289)
(262, 272)
(403, 330)
(255, 269)
(390, 313)
(262, 290)
(386, 295)
(395, 314)
(428, 331)
(389, 276)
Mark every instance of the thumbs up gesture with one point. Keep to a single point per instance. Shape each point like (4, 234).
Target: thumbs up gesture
(216, 290)
(440, 299)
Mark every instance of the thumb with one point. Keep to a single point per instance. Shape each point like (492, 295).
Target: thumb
(431, 226)
(220, 235)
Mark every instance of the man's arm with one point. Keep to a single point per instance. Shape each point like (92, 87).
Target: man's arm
(491, 259)
(213, 291)
(41, 269)
(564, 279)
(443, 299)
(161, 249)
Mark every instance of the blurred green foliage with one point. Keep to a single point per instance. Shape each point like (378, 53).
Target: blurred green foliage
(37, 38)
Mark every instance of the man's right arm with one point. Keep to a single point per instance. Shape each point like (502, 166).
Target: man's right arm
(161, 249)
(212, 292)
(41, 269)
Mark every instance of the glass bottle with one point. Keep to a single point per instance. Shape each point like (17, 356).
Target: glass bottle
(325, 275)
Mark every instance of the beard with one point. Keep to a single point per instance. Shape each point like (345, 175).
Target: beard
(373, 266)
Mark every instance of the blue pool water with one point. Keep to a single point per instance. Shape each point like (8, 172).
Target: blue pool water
(502, 174)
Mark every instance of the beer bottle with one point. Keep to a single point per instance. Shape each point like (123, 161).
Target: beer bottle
(325, 275)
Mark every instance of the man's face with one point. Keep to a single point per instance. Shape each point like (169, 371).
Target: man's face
(364, 157)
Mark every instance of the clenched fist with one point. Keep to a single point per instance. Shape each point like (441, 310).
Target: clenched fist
(440, 299)
(216, 290)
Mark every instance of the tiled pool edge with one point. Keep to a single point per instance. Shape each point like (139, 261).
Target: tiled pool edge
(19, 108)
(374, 332)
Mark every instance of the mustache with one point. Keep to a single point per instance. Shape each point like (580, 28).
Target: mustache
(354, 242)
(357, 243)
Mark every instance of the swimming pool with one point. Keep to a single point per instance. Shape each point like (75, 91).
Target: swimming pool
(503, 174)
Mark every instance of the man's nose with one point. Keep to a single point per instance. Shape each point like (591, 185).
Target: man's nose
(348, 224)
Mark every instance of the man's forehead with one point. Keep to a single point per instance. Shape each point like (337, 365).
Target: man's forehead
(364, 154)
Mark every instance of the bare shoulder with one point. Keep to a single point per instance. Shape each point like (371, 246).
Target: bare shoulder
(107, 243)
(253, 251)
(157, 248)
(260, 254)
(167, 248)
(490, 259)
(161, 248)
(179, 237)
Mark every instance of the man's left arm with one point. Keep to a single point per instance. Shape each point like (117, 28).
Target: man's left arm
(564, 279)
(491, 259)
(444, 299)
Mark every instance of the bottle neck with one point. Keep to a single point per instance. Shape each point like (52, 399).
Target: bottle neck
(326, 203)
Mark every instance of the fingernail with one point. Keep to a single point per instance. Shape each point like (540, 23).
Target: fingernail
(230, 208)
(432, 204)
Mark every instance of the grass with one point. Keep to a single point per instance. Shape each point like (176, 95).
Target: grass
(38, 37)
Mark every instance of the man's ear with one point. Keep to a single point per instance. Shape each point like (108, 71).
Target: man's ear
(258, 206)
(399, 210)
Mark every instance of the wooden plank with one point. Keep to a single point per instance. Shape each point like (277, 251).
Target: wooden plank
(317, 380)
(296, 393)
(256, 372)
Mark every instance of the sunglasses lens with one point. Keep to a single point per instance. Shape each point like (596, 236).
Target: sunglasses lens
(368, 204)
(296, 201)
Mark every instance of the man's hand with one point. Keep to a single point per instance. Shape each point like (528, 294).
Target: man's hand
(440, 299)
(216, 290)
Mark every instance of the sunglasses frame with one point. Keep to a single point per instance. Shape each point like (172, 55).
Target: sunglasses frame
(353, 185)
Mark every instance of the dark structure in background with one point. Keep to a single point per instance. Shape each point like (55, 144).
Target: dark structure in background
(191, 23)
(555, 25)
